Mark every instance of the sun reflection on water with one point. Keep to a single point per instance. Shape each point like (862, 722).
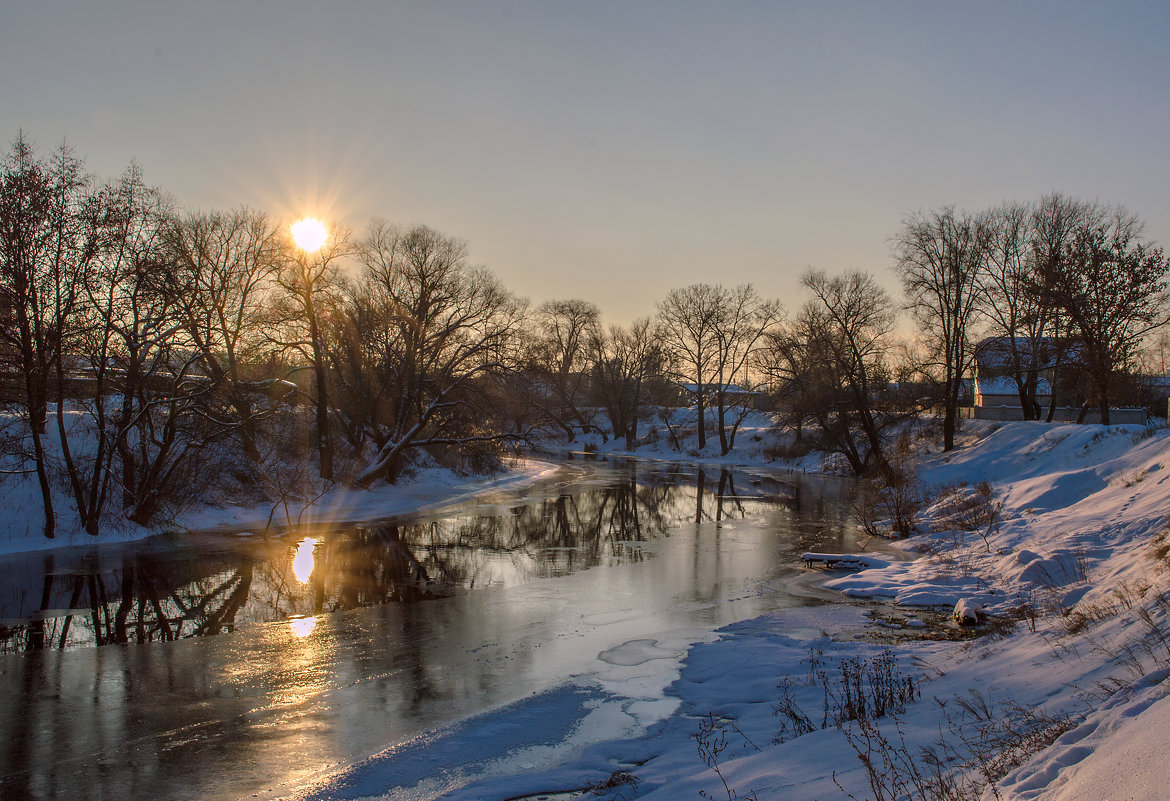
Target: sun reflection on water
(304, 560)
(302, 626)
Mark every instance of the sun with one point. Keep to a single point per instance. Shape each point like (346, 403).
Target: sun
(309, 234)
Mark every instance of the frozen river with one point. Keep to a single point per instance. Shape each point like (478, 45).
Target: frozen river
(505, 631)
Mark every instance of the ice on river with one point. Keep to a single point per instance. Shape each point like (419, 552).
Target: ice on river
(636, 652)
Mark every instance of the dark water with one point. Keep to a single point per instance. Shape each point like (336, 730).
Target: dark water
(220, 667)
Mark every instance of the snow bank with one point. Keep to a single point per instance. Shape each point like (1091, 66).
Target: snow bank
(1073, 580)
(1072, 576)
(429, 489)
(757, 444)
(843, 561)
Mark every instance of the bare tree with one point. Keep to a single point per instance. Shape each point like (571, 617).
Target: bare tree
(310, 281)
(1054, 223)
(1112, 286)
(563, 330)
(940, 256)
(627, 362)
(830, 368)
(361, 340)
(450, 329)
(711, 335)
(1020, 318)
(227, 265)
(687, 320)
(740, 327)
(40, 245)
(141, 396)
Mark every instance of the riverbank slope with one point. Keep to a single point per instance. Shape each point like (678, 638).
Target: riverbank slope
(296, 495)
(21, 513)
(1060, 694)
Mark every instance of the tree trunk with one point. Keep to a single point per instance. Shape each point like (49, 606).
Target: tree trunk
(721, 415)
(43, 479)
(247, 430)
(702, 412)
(36, 406)
(125, 450)
(949, 417)
(324, 441)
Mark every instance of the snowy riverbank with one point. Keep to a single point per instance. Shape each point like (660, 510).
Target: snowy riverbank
(22, 516)
(757, 443)
(424, 491)
(1072, 570)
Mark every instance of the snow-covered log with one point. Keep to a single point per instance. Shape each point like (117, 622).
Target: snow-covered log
(842, 561)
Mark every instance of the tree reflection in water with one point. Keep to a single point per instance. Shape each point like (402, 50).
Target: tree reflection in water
(297, 688)
(152, 592)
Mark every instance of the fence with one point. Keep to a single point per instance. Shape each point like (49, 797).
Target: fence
(1062, 414)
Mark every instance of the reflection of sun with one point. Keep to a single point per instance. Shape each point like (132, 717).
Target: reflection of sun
(302, 626)
(309, 234)
(304, 560)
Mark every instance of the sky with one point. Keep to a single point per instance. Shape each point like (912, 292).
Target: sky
(609, 150)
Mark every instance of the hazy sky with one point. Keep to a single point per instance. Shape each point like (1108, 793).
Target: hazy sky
(609, 150)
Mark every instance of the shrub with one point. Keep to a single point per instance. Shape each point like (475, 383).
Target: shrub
(981, 743)
(862, 687)
(888, 505)
(969, 509)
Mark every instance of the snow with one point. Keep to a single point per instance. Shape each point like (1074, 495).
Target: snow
(1003, 385)
(843, 561)
(1073, 577)
(1072, 580)
(636, 652)
(428, 490)
(1102, 759)
(757, 443)
(968, 612)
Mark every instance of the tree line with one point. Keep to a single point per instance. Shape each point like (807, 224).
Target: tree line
(150, 354)
(1060, 287)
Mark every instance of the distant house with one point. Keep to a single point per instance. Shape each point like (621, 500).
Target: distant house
(733, 393)
(1003, 391)
(1002, 363)
(1155, 393)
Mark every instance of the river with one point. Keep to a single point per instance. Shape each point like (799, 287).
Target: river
(224, 666)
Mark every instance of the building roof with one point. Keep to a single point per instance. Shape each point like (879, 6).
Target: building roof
(996, 354)
(1006, 385)
(730, 389)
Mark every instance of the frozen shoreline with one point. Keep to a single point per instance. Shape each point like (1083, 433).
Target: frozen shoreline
(430, 489)
(1076, 554)
(1075, 571)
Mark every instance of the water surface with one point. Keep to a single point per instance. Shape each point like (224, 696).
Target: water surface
(222, 667)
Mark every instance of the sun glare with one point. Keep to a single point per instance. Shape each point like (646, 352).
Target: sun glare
(309, 234)
(304, 560)
(302, 626)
